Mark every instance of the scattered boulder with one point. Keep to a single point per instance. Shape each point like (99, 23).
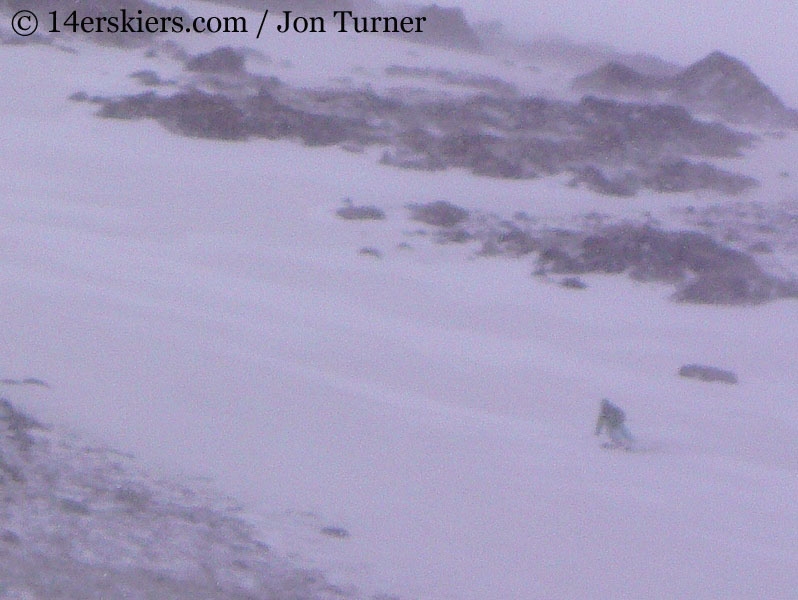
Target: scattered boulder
(761, 247)
(9, 537)
(706, 373)
(454, 235)
(219, 60)
(149, 78)
(335, 532)
(79, 97)
(573, 283)
(515, 240)
(438, 214)
(350, 212)
(595, 179)
(370, 251)
(76, 507)
(617, 79)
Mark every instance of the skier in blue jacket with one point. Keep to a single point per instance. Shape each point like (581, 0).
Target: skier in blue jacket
(612, 417)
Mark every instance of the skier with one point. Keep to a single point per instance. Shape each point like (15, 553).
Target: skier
(612, 417)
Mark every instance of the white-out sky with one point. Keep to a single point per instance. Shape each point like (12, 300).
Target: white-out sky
(764, 34)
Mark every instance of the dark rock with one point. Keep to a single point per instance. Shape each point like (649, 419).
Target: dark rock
(705, 373)
(616, 79)
(219, 60)
(729, 287)
(718, 84)
(612, 147)
(596, 180)
(148, 78)
(439, 214)
(454, 235)
(335, 532)
(558, 260)
(683, 176)
(370, 251)
(574, 283)
(761, 247)
(705, 271)
(135, 498)
(516, 241)
(193, 113)
(18, 424)
(13, 471)
(446, 27)
(9, 537)
(360, 213)
(727, 87)
(74, 506)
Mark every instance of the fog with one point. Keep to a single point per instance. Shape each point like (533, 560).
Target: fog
(372, 291)
(762, 33)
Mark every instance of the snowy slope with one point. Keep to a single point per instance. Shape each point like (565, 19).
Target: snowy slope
(199, 304)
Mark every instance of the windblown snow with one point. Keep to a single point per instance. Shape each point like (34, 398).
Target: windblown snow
(331, 317)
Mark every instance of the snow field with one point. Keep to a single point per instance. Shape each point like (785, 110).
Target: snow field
(198, 304)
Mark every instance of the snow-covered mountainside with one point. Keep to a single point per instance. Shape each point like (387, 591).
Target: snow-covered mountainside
(717, 84)
(330, 316)
(86, 522)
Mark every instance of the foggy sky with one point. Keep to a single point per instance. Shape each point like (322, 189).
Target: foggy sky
(764, 34)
